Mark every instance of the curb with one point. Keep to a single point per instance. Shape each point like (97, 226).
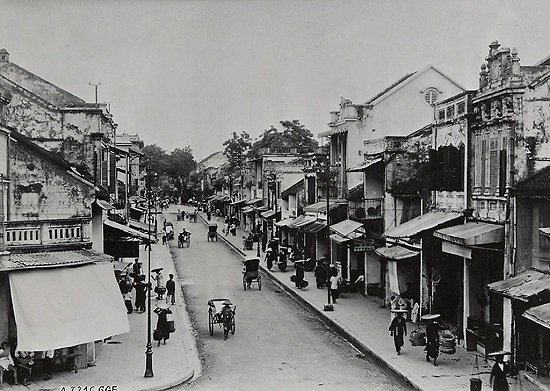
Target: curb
(339, 330)
(173, 384)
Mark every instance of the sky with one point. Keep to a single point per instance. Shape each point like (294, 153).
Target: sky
(190, 73)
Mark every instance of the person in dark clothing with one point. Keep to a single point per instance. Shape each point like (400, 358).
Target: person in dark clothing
(299, 278)
(320, 273)
(498, 373)
(141, 289)
(162, 331)
(432, 337)
(398, 329)
(170, 290)
(136, 268)
(227, 318)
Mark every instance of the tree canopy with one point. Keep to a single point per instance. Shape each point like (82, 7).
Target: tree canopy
(236, 149)
(293, 135)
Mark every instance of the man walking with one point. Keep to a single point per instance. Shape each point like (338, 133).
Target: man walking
(171, 290)
(398, 329)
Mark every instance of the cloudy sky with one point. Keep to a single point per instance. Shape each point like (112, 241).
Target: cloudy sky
(190, 72)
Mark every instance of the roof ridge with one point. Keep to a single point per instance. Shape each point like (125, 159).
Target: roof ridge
(390, 87)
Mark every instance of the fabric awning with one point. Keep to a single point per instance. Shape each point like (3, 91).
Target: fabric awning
(247, 209)
(126, 229)
(285, 222)
(141, 226)
(472, 234)
(539, 314)
(269, 214)
(314, 227)
(421, 224)
(300, 222)
(104, 205)
(364, 165)
(523, 286)
(346, 227)
(67, 306)
(339, 239)
(253, 201)
(320, 207)
(396, 252)
(239, 202)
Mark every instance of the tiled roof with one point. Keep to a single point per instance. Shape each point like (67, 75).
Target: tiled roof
(389, 88)
(535, 184)
(53, 259)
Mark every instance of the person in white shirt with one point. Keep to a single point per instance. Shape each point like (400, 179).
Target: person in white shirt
(333, 286)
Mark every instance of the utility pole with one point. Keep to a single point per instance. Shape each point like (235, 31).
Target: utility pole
(328, 306)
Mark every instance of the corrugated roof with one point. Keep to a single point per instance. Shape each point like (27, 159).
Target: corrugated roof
(523, 286)
(53, 259)
(396, 252)
(314, 227)
(421, 224)
(285, 222)
(339, 239)
(364, 165)
(346, 227)
(539, 314)
(302, 221)
(472, 234)
(320, 207)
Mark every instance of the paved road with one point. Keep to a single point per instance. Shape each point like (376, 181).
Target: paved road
(277, 345)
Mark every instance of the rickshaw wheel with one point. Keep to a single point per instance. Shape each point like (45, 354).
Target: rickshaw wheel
(233, 325)
(260, 283)
(244, 281)
(210, 323)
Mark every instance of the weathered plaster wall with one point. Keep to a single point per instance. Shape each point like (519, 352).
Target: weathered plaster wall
(4, 306)
(41, 190)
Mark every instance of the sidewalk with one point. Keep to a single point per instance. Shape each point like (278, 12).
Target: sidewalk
(361, 321)
(121, 361)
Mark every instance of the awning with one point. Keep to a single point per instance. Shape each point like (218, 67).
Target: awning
(330, 132)
(302, 221)
(523, 286)
(141, 226)
(253, 201)
(75, 305)
(472, 234)
(104, 205)
(346, 227)
(247, 209)
(126, 229)
(293, 189)
(364, 165)
(239, 202)
(539, 314)
(285, 222)
(314, 227)
(269, 214)
(320, 207)
(421, 224)
(339, 239)
(396, 252)
(262, 209)
(137, 209)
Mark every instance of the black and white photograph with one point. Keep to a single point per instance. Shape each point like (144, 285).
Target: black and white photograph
(204, 195)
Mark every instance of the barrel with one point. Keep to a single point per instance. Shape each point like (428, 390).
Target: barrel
(475, 384)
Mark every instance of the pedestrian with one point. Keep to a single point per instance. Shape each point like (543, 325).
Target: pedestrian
(227, 318)
(497, 378)
(162, 332)
(208, 215)
(333, 285)
(432, 337)
(141, 292)
(320, 273)
(163, 236)
(6, 361)
(128, 301)
(136, 268)
(226, 227)
(398, 329)
(159, 288)
(170, 290)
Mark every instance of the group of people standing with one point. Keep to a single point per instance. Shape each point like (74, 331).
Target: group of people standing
(20, 363)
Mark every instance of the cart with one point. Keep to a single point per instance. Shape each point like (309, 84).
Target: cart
(212, 232)
(184, 239)
(169, 229)
(215, 307)
(192, 217)
(251, 272)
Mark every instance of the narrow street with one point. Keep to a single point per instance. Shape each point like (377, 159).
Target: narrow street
(277, 344)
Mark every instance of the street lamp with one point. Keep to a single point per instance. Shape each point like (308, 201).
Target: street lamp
(149, 346)
(328, 306)
(257, 235)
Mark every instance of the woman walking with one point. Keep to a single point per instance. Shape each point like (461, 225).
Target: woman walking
(162, 332)
(398, 329)
(432, 337)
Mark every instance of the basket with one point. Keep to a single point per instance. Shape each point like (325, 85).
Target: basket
(418, 338)
(447, 343)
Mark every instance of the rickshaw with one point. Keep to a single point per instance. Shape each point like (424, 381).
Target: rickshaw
(216, 315)
(192, 216)
(184, 238)
(169, 229)
(251, 272)
(212, 232)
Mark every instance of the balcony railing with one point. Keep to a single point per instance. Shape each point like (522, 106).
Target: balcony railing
(374, 208)
(40, 234)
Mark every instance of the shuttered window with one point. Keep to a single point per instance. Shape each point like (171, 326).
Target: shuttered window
(483, 164)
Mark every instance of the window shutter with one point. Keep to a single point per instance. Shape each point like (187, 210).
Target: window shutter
(502, 173)
(434, 169)
(461, 161)
(483, 163)
(494, 164)
(112, 174)
(104, 170)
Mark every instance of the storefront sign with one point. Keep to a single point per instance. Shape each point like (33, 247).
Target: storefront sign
(363, 245)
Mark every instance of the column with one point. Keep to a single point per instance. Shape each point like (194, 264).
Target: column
(507, 321)
(466, 297)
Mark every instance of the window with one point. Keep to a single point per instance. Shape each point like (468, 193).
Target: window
(430, 95)
(450, 112)
(441, 115)
(461, 108)
(447, 165)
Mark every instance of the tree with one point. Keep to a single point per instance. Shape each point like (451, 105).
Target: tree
(180, 164)
(236, 149)
(156, 158)
(299, 135)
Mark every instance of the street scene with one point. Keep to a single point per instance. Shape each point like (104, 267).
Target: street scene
(274, 195)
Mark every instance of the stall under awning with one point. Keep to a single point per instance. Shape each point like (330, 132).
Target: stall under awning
(141, 226)
(268, 214)
(320, 207)
(523, 286)
(346, 227)
(253, 201)
(339, 239)
(396, 252)
(239, 202)
(302, 221)
(420, 224)
(125, 229)
(104, 205)
(75, 305)
(539, 314)
(314, 227)
(472, 234)
(247, 209)
(364, 165)
(285, 222)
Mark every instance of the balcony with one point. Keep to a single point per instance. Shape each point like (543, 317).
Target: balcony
(371, 209)
(24, 236)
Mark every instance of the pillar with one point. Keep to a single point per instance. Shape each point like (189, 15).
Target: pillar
(507, 324)
(466, 296)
